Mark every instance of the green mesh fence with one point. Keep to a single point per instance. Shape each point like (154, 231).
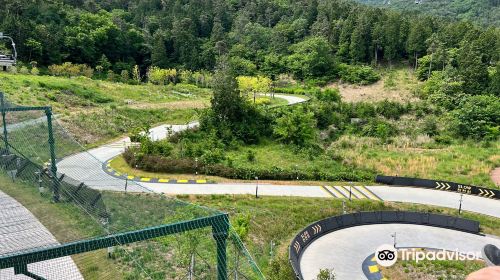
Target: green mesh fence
(81, 223)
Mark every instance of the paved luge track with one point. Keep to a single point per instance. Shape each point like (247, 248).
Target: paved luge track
(20, 230)
(344, 250)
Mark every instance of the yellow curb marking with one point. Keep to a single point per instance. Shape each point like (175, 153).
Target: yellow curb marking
(358, 193)
(145, 179)
(369, 193)
(130, 177)
(201, 181)
(326, 191)
(163, 180)
(373, 268)
(182, 181)
(337, 192)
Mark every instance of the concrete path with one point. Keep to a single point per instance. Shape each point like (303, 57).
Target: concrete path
(345, 250)
(20, 231)
(291, 99)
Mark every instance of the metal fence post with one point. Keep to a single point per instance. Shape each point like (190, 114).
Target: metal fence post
(4, 122)
(220, 231)
(53, 167)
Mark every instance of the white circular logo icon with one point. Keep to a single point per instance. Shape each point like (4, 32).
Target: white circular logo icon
(386, 255)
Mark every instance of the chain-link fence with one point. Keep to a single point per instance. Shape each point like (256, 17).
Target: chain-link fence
(63, 217)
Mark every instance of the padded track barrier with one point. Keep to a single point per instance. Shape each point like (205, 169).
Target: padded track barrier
(438, 185)
(323, 227)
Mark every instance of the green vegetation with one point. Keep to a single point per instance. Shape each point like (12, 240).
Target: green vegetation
(95, 111)
(129, 41)
(483, 12)
(341, 141)
(255, 219)
(432, 269)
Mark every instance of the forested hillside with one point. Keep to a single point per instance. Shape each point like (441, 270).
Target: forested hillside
(306, 38)
(480, 11)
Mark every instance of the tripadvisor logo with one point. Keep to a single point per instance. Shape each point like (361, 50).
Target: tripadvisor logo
(386, 255)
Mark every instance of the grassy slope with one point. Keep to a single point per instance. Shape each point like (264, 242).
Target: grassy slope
(396, 84)
(96, 111)
(463, 162)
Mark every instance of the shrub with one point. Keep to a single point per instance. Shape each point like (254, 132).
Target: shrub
(296, 126)
(251, 156)
(262, 101)
(213, 156)
(111, 76)
(160, 76)
(35, 71)
(476, 116)
(24, 70)
(155, 163)
(443, 139)
(124, 75)
(379, 129)
(241, 225)
(68, 69)
(429, 126)
(355, 74)
(391, 110)
(161, 148)
(329, 95)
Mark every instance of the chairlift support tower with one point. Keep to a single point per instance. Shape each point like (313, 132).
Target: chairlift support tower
(8, 60)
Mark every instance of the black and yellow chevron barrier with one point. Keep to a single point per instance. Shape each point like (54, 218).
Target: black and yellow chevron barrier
(110, 171)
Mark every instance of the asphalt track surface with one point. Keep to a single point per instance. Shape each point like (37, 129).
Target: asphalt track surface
(346, 249)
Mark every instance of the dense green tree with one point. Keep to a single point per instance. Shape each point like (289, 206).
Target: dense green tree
(495, 81)
(231, 116)
(476, 116)
(296, 126)
(311, 58)
(419, 32)
(471, 69)
(254, 33)
(159, 56)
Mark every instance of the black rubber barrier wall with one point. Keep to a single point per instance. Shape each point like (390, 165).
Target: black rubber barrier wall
(323, 227)
(438, 185)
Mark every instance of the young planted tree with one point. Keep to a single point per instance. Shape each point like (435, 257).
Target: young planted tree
(259, 84)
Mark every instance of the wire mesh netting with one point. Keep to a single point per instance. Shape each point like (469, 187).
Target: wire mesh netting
(79, 222)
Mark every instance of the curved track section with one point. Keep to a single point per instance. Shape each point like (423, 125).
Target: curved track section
(346, 242)
(345, 250)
